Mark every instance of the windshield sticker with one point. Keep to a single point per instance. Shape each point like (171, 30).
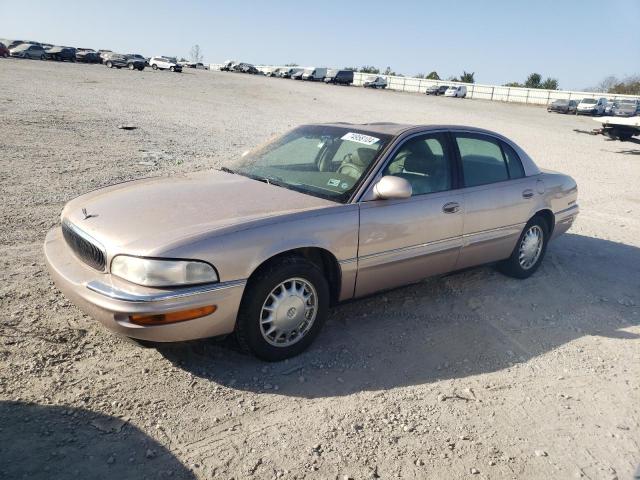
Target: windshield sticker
(344, 185)
(360, 138)
(333, 182)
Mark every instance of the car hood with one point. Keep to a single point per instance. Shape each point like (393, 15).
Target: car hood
(149, 216)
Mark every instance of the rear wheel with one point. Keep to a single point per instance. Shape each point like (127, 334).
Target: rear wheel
(173, 69)
(154, 66)
(131, 66)
(109, 64)
(283, 310)
(43, 57)
(529, 251)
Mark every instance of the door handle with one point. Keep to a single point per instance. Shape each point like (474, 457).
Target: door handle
(528, 193)
(451, 207)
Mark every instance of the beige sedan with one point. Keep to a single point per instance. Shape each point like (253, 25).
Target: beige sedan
(325, 213)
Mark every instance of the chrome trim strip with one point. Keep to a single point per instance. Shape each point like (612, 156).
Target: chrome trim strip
(89, 239)
(431, 247)
(118, 294)
(348, 260)
(567, 210)
(493, 234)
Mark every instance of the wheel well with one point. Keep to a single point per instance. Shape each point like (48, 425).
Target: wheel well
(548, 217)
(322, 258)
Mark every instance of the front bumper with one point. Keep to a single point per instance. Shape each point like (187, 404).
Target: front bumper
(111, 300)
(590, 111)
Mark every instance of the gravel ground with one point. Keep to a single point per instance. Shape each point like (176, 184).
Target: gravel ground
(473, 375)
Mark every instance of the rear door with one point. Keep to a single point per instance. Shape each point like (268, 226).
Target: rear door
(404, 241)
(498, 197)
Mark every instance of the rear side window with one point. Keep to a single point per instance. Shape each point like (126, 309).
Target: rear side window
(514, 165)
(482, 160)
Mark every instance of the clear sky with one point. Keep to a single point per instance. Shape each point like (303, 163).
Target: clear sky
(579, 42)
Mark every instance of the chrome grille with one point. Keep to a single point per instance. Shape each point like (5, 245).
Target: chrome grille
(84, 248)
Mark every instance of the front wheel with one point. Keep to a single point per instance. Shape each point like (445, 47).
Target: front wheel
(154, 66)
(529, 251)
(109, 65)
(283, 309)
(43, 57)
(172, 69)
(132, 67)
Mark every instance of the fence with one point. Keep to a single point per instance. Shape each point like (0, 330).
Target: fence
(476, 90)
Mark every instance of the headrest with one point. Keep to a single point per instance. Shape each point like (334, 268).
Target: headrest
(363, 157)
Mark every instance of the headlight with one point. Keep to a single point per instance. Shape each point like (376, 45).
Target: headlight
(162, 273)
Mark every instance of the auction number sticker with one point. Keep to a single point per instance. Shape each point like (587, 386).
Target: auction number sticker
(360, 138)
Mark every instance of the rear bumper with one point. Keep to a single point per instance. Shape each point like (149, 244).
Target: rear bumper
(111, 300)
(564, 220)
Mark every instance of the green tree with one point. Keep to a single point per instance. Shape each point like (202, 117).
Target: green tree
(369, 69)
(513, 84)
(533, 81)
(468, 77)
(550, 84)
(433, 76)
(419, 75)
(388, 71)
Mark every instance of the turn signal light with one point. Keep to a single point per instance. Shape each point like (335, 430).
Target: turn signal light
(173, 317)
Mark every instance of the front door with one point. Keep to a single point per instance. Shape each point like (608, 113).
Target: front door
(404, 241)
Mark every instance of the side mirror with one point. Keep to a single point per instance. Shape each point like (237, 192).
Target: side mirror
(392, 188)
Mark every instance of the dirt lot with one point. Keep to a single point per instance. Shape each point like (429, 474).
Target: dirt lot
(474, 375)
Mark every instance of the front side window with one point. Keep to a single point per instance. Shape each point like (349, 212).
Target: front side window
(482, 160)
(424, 162)
(324, 161)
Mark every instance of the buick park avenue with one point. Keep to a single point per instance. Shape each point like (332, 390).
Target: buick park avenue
(325, 213)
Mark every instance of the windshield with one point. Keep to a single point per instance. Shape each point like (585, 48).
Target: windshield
(561, 102)
(589, 101)
(323, 161)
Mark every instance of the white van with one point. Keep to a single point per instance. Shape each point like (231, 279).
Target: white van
(591, 106)
(314, 73)
(459, 91)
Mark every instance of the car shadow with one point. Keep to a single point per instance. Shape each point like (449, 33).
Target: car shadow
(464, 324)
(60, 442)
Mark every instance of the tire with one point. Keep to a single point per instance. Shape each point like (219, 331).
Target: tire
(141, 68)
(154, 66)
(43, 57)
(131, 67)
(172, 69)
(516, 267)
(109, 64)
(252, 332)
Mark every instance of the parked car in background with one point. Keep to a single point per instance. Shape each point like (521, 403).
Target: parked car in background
(289, 72)
(458, 91)
(591, 106)
(339, 77)
(227, 66)
(374, 81)
(314, 74)
(4, 51)
(608, 109)
(28, 50)
(103, 54)
(165, 63)
(297, 75)
(626, 108)
(365, 208)
(247, 68)
(563, 106)
(87, 55)
(137, 56)
(437, 90)
(117, 60)
(61, 54)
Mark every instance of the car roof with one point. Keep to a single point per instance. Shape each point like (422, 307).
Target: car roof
(391, 128)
